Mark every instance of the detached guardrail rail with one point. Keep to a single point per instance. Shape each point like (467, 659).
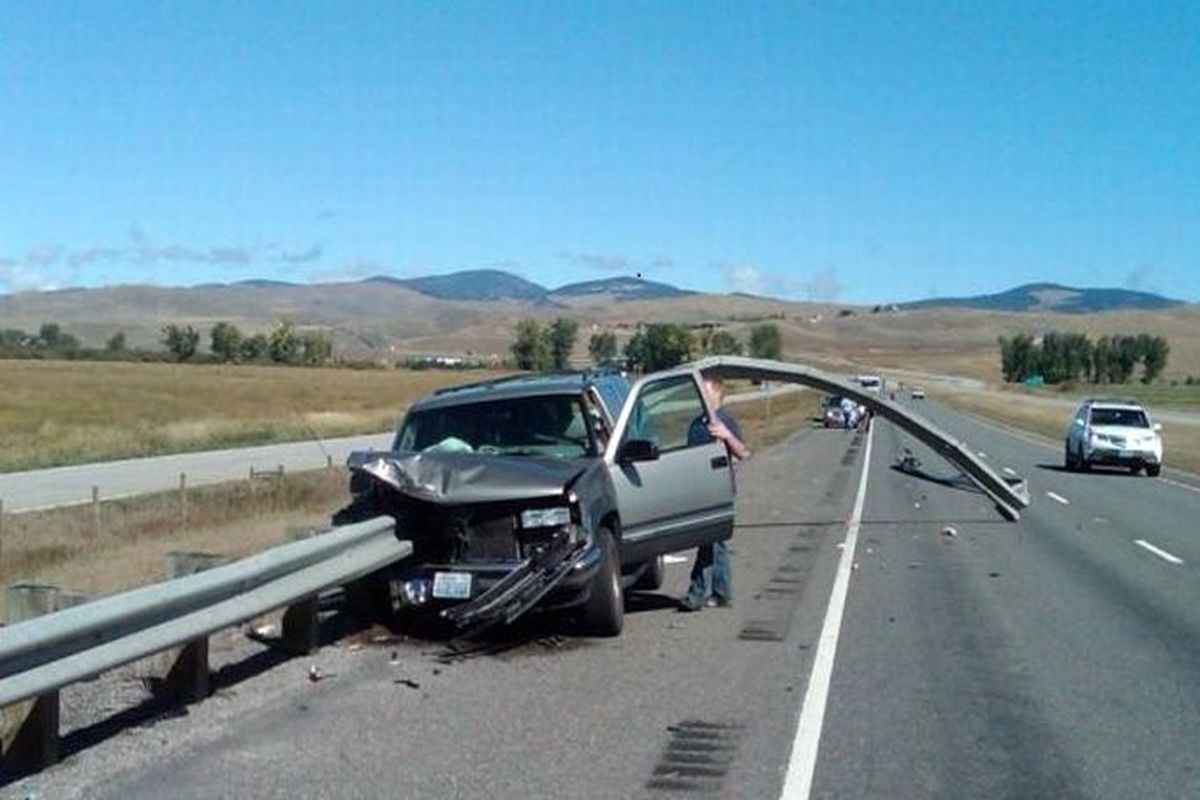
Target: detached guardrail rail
(41, 655)
(1009, 496)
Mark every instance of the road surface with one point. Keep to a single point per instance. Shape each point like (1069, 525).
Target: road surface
(1055, 657)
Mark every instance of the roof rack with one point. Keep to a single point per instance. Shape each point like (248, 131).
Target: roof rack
(583, 374)
(1125, 401)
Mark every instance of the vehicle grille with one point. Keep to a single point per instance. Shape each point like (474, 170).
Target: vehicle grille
(463, 534)
(489, 537)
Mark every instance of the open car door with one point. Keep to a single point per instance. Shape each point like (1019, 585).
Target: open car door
(674, 483)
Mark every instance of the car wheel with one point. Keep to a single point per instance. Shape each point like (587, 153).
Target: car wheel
(1135, 469)
(651, 579)
(1154, 470)
(604, 611)
(1069, 460)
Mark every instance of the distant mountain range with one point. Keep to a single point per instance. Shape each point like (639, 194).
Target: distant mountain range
(1053, 297)
(495, 284)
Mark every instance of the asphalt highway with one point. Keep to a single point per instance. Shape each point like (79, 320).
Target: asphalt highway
(1055, 657)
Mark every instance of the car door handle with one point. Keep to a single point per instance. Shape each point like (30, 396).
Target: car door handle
(719, 462)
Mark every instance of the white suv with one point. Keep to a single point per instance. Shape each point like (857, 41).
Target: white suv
(1113, 432)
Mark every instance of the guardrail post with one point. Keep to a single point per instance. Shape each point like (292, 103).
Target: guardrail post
(29, 733)
(186, 670)
(301, 632)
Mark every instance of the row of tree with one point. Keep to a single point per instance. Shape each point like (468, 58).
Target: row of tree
(283, 345)
(1068, 357)
(656, 346)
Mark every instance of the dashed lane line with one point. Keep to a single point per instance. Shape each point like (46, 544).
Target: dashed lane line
(1158, 551)
(1058, 498)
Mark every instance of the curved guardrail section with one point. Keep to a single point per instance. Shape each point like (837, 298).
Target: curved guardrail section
(1009, 497)
(46, 653)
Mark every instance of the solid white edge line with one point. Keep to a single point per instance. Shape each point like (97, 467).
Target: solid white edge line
(1059, 498)
(803, 760)
(1163, 554)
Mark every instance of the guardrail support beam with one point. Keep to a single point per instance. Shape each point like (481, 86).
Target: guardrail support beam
(301, 626)
(186, 674)
(29, 729)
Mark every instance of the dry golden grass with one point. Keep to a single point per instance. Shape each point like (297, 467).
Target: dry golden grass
(1181, 443)
(120, 544)
(788, 413)
(60, 412)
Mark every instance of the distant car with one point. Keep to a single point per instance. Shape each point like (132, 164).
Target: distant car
(872, 383)
(917, 393)
(1113, 432)
(832, 415)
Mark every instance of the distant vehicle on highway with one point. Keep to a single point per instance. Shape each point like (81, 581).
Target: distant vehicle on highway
(872, 383)
(831, 412)
(1113, 432)
(917, 393)
(555, 490)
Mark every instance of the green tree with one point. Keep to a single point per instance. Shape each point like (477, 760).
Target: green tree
(116, 342)
(658, 346)
(602, 347)
(283, 345)
(1128, 356)
(181, 340)
(531, 349)
(1154, 358)
(724, 343)
(765, 342)
(225, 340)
(560, 341)
(316, 348)
(1019, 357)
(255, 348)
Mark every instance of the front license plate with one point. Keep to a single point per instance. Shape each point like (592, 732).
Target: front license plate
(452, 585)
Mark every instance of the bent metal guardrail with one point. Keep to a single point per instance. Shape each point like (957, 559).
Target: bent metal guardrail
(46, 653)
(1009, 497)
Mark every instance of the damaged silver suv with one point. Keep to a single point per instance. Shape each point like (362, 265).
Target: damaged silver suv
(553, 491)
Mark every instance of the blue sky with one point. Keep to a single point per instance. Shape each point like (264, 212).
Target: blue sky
(863, 152)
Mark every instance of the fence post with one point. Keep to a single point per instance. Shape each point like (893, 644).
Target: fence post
(95, 510)
(29, 733)
(183, 505)
(185, 671)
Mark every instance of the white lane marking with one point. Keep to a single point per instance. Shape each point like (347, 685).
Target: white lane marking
(1010, 471)
(803, 761)
(1181, 485)
(675, 559)
(1163, 554)
(1059, 498)
(982, 454)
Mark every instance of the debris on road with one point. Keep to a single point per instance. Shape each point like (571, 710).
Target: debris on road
(315, 674)
(409, 682)
(949, 530)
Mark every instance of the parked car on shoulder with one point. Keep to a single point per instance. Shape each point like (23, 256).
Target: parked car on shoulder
(554, 491)
(917, 393)
(1113, 432)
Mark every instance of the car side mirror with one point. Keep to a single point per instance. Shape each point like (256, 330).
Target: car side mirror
(637, 450)
(1157, 427)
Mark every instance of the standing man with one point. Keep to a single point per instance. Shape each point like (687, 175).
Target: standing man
(712, 579)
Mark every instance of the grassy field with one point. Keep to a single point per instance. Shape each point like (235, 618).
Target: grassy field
(62, 412)
(120, 544)
(1155, 395)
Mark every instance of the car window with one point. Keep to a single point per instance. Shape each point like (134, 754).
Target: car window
(665, 411)
(548, 425)
(1125, 417)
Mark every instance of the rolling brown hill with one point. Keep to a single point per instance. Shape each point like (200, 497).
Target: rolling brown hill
(381, 318)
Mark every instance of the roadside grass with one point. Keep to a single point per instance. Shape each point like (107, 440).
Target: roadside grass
(1154, 395)
(62, 412)
(1181, 443)
(120, 544)
(788, 413)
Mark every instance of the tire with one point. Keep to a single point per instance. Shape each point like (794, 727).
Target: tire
(1135, 469)
(604, 610)
(1154, 470)
(651, 579)
(1068, 460)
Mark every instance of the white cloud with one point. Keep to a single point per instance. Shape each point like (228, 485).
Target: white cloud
(18, 277)
(745, 279)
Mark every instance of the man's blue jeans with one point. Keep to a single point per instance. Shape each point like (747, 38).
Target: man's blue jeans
(711, 575)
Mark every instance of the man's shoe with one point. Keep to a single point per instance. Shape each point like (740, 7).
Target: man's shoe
(718, 602)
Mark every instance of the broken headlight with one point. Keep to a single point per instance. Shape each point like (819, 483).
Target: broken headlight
(545, 518)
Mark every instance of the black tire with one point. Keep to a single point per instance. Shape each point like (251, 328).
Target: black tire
(604, 611)
(1069, 460)
(1154, 470)
(651, 579)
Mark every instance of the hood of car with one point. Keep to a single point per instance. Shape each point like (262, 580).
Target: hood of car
(452, 478)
